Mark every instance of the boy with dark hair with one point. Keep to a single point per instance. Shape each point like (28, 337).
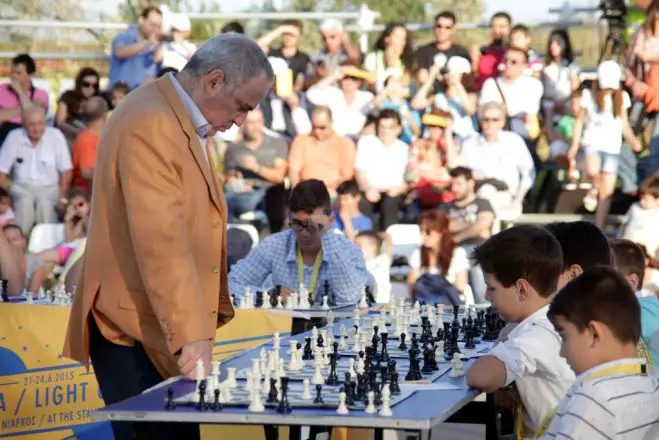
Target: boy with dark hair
(348, 218)
(306, 255)
(629, 261)
(583, 245)
(521, 267)
(599, 320)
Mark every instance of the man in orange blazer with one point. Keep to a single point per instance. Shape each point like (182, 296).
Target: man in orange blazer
(153, 285)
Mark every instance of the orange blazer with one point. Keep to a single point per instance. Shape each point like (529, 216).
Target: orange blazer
(155, 266)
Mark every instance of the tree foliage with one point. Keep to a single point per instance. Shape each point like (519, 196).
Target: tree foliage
(43, 9)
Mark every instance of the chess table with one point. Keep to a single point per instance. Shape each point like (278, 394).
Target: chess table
(420, 406)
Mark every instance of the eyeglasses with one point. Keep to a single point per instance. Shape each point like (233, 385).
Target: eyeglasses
(86, 84)
(298, 226)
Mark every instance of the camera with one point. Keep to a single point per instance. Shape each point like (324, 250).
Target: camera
(614, 12)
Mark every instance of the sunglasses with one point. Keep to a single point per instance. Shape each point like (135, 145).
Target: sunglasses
(86, 84)
(298, 226)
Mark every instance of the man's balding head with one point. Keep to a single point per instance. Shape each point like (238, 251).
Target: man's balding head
(95, 109)
(34, 121)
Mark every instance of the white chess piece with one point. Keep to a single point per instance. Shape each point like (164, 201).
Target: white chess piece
(279, 304)
(256, 404)
(294, 299)
(215, 368)
(281, 371)
(363, 304)
(200, 371)
(226, 387)
(306, 390)
(249, 386)
(361, 366)
(456, 366)
(330, 319)
(256, 366)
(351, 368)
(325, 305)
(317, 378)
(370, 408)
(272, 366)
(343, 408)
(355, 316)
(266, 383)
(231, 377)
(385, 410)
(29, 298)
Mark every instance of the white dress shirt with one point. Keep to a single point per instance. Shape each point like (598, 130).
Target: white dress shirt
(622, 406)
(40, 165)
(507, 159)
(532, 361)
(522, 95)
(383, 166)
(349, 119)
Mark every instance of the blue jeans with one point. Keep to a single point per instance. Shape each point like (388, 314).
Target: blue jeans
(652, 162)
(627, 169)
(476, 278)
(240, 203)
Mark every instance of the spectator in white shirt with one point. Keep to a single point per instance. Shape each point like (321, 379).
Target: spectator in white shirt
(521, 266)
(500, 161)
(348, 103)
(40, 161)
(642, 218)
(614, 396)
(599, 129)
(518, 92)
(177, 52)
(380, 165)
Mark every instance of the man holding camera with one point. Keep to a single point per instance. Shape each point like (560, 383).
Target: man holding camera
(137, 53)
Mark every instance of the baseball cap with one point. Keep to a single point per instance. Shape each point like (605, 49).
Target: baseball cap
(459, 65)
(331, 24)
(180, 22)
(609, 75)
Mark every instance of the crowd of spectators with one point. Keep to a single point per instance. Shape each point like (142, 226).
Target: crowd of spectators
(439, 134)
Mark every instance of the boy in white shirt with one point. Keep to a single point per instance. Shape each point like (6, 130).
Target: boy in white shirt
(378, 250)
(599, 320)
(521, 267)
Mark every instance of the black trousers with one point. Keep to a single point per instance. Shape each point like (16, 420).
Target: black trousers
(387, 207)
(124, 372)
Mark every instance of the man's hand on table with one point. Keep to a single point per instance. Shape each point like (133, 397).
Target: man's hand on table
(190, 353)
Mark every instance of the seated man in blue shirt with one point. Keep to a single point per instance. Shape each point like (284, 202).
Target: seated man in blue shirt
(349, 219)
(309, 253)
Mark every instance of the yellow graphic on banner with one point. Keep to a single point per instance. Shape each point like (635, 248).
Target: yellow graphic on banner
(44, 395)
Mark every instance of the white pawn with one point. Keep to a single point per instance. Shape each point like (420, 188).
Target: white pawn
(456, 366)
(279, 304)
(317, 378)
(351, 368)
(266, 383)
(266, 302)
(361, 366)
(363, 304)
(325, 305)
(370, 408)
(306, 390)
(256, 405)
(226, 388)
(231, 378)
(385, 411)
(215, 368)
(343, 408)
(249, 385)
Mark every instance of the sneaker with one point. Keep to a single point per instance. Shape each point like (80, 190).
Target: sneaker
(590, 201)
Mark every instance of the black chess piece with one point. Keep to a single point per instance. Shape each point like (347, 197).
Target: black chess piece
(384, 351)
(410, 376)
(170, 399)
(394, 387)
(427, 363)
(440, 334)
(402, 345)
(469, 337)
(320, 342)
(307, 354)
(272, 394)
(319, 394)
(332, 378)
(258, 302)
(370, 299)
(216, 403)
(335, 348)
(331, 299)
(456, 312)
(284, 406)
(201, 403)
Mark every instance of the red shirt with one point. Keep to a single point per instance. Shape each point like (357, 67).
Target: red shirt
(488, 65)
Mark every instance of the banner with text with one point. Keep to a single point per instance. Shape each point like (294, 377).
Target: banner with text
(46, 396)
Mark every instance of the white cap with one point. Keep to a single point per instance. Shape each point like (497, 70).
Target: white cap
(331, 24)
(440, 60)
(459, 65)
(180, 22)
(278, 65)
(609, 75)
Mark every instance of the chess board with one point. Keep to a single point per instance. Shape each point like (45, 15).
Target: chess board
(330, 395)
(342, 368)
(397, 353)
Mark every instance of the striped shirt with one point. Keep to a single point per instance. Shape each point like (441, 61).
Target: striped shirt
(622, 406)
